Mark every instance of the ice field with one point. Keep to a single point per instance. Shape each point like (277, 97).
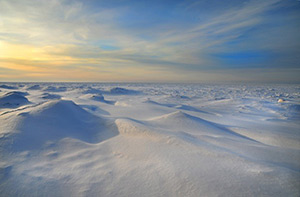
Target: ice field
(109, 139)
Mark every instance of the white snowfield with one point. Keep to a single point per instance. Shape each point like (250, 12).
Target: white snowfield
(83, 139)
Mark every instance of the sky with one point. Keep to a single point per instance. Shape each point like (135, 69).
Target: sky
(150, 41)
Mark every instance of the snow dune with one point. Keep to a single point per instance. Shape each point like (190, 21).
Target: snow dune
(179, 121)
(97, 97)
(34, 87)
(122, 91)
(55, 120)
(149, 140)
(7, 87)
(13, 99)
(55, 89)
(50, 96)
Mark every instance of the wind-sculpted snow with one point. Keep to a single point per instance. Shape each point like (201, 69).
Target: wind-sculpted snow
(122, 91)
(54, 120)
(96, 139)
(92, 91)
(19, 93)
(34, 87)
(179, 121)
(55, 89)
(7, 87)
(50, 96)
(97, 97)
(13, 99)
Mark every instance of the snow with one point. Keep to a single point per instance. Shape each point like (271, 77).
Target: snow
(122, 91)
(7, 87)
(149, 140)
(55, 120)
(55, 89)
(50, 96)
(13, 99)
(34, 87)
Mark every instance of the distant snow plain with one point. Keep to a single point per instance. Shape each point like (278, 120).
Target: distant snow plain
(109, 139)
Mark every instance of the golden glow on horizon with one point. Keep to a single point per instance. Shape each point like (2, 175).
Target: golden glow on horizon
(55, 63)
(21, 51)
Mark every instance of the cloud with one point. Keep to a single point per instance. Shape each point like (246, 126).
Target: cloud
(194, 38)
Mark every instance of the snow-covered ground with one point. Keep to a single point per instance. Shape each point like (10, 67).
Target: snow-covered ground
(149, 140)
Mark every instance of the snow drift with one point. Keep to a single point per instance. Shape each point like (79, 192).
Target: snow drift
(55, 120)
(13, 99)
(171, 140)
(55, 89)
(180, 121)
(50, 96)
(7, 87)
(34, 87)
(122, 91)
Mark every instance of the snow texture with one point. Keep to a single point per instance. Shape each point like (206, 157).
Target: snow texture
(94, 139)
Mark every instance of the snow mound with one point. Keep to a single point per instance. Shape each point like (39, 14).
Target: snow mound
(55, 120)
(95, 97)
(122, 104)
(20, 93)
(180, 121)
(55, 89)
(134, 128)
(50, 96)
(12, 100)
(189, 108)
(179, 107)
(8, 87)
(98, 97)
(34, 87)
(149, 101)
(91, 91)
(122, 91)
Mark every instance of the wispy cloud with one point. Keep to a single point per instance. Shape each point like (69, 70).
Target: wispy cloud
(107, 41)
